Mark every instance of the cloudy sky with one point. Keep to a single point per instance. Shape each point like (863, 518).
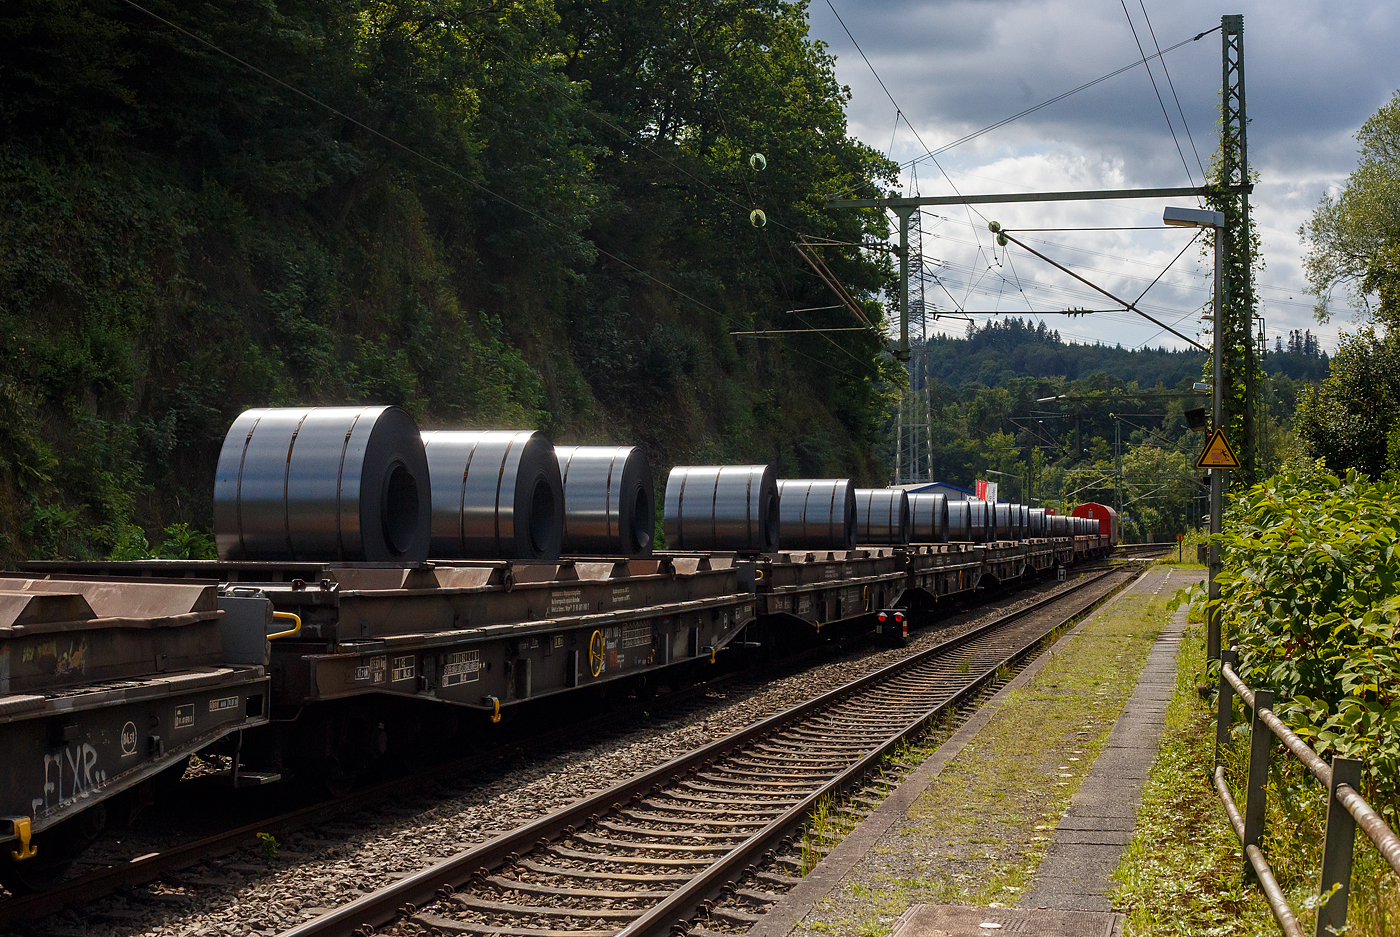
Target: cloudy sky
(1313, 73)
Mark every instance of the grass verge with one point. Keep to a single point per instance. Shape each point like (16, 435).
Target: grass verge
(1183, 875)
(979, 831)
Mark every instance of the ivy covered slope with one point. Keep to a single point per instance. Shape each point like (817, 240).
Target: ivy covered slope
(569, 248)
(1310, 595)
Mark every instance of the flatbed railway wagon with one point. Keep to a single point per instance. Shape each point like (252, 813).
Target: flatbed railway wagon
(104, 686)
(334, 659)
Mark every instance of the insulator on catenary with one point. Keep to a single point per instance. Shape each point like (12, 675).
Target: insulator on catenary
(496, 495)
(817, 513)
(609, 506)
(722, 507)
(882, 516)
(347, 484)
(928, 517)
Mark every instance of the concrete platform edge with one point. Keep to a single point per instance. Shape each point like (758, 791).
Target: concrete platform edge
(790, 911)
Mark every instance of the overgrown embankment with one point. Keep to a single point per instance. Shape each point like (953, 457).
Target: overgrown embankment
(1310, 597)
(567, 246)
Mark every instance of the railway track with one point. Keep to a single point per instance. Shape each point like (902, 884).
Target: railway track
(649, 855)
(152, 865)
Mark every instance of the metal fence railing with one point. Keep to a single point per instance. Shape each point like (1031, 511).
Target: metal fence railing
(1346, 808)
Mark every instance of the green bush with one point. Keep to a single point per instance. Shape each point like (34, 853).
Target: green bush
(1310, 597)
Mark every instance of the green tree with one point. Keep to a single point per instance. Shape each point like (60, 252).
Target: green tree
(1350, 420)
(1354, 239)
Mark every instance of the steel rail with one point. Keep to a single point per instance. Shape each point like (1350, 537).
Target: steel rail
(101, 882)
(683, 903)
(104, 881)
(438, 882)
(1380, 834)
(1314, 763)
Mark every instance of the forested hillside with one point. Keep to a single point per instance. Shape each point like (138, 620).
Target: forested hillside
(1058, 423)
(530, 214)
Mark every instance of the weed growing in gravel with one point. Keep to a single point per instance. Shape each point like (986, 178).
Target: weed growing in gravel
(965, 666)
(268, 844)
(825, 828)
(977, 833)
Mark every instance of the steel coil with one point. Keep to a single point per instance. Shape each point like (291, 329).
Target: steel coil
(959, 521)
(817, 513)
(496, 495)
(347, 484)
(882, 516)
(1037, 525)
(1003, 524)
(609, 504)
(722, 507)
(983, 522)
(928, 518)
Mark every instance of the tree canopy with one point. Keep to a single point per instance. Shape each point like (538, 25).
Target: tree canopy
(1355, 238)
(1349, 419)
(532, 213)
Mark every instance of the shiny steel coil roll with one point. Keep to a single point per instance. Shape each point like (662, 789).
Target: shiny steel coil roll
(1025, 510)
(1059, 527)
(928, 517)
(1003, 524)
(496, 495)
(347, 484)
(817, 513)
(983, 526)
(609, 504)
(959, 521)
(1037, 526)
(882, 516)
(722, 507)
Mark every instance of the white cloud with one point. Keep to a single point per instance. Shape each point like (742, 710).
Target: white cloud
(1314, 73)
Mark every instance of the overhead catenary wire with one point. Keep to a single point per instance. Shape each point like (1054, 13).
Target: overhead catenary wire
(1170, 84)
(1157, 91)
(1055, 100)
(438, 164)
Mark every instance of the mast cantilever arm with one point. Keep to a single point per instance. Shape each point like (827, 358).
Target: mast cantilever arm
(1122, 302)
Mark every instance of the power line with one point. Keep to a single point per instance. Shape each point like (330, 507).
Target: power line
(410, 150)
(1157, 91)
(1055, 100)
(1153, 33)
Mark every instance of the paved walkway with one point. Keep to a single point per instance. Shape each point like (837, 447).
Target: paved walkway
(1088, 843)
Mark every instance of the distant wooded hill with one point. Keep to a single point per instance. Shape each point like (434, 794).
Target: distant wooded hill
(1013, 348)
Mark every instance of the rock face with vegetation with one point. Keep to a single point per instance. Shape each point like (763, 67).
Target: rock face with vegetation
(505, 215)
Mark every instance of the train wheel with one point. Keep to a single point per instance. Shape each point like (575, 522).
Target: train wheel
(335, 779)
(32, 875)
(57, 849)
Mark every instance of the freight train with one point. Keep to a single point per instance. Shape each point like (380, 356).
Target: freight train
(378, 587)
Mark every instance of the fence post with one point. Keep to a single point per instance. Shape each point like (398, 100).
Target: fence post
(1337, 849)
(1261, 743)
(1224, 704)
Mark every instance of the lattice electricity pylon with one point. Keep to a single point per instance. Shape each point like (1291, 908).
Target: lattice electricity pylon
(1237, 276)
(917, 319)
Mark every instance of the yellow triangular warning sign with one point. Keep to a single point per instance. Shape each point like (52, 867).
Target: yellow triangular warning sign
(1218, 453)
